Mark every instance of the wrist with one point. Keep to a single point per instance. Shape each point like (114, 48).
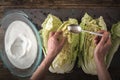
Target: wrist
(99, 57)
(51, 54)
(99, 61)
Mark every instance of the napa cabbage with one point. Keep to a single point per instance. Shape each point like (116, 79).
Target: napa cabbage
(65, 60)
(87, 45)
(115, 39)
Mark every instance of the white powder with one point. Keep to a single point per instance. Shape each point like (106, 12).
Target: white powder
(20, 45)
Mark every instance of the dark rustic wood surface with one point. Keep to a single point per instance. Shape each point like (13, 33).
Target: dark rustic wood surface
(77, 74)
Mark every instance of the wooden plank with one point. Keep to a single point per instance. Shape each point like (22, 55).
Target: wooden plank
(60, 3)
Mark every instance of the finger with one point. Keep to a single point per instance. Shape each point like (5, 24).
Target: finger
(57, 34)
(104, 38)
(96, 42)
(63, 42)
(108, 43)
(101, 31)
(98, 38)
(51, 34)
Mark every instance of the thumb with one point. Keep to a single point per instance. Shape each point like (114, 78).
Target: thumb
(51, 34)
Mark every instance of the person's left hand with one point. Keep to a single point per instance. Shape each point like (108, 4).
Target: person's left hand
(55, 43)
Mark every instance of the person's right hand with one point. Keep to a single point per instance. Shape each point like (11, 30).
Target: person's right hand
(102, 45)
(55, 43)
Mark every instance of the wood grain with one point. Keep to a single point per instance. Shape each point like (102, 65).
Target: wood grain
(59, 3)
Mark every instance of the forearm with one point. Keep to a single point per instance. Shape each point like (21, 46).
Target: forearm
(102, 71)
(41, 71)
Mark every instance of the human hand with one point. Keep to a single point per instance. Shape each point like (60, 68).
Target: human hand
(55, 43)
(102, 45)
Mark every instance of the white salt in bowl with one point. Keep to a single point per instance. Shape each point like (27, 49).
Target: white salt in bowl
(22, 47)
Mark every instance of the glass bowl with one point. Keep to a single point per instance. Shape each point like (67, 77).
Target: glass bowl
(6, 21)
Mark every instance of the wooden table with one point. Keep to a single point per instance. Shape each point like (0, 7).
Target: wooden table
(77, 74)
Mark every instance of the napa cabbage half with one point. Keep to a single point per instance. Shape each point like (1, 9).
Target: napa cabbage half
(65, 60)
(87, 45)
(115, 39)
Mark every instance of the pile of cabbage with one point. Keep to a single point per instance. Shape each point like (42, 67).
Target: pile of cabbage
(78, 45)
